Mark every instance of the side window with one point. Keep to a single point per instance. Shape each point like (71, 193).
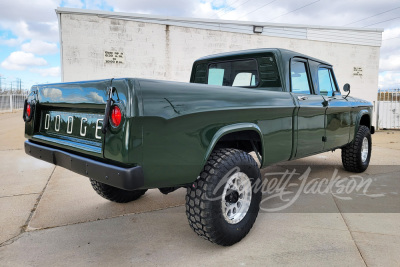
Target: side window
(299, 78)
(325, 82)
(234, 73)
(269, 73)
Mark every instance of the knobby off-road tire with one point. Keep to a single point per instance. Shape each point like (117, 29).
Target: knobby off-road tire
(221, 205)
(357, 154)
(116, 194)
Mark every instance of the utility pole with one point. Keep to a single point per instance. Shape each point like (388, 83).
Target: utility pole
(1, 78)
(18, 87)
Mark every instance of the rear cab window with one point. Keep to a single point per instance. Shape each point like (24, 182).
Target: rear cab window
(258, 71)
(234, 73)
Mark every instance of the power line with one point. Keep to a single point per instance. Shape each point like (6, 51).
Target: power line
(381, 22)
(257, 9)
(235, 8)
(295, 10)
(372, 16)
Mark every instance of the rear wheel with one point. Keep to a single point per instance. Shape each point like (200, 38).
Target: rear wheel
(357, 154)
(221, 205)
(116, 194)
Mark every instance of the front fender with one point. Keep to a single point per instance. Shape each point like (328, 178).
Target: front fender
(230, 129)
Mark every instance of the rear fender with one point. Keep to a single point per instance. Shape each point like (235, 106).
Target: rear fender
(230, 129)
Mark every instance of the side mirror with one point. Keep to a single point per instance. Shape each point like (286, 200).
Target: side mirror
(346, 88)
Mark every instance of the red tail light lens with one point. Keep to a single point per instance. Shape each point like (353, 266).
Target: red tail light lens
(28, 110)
(116, 116)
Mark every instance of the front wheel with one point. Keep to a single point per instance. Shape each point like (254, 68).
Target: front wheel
(222, 204)
(357, 154)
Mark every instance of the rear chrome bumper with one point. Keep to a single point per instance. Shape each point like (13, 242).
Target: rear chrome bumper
(124, 178)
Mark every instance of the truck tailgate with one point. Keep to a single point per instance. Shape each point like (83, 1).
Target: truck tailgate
(70, 115)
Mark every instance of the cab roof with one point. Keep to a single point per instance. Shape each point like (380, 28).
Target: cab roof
(284, 53)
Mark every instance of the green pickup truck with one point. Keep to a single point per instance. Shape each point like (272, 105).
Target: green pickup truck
(129, 135)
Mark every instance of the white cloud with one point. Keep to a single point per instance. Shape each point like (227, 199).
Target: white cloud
(17, 10)
(29, 20)
(391, 63)
(391, 33)
(39, 47)
(45, 31)
(10, 42)
(389, 80)
(205, 10)
(20, 60)
(390, 50)
(47, 72)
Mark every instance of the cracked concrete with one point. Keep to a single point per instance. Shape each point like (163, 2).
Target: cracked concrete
(14, 214)
(51, 216)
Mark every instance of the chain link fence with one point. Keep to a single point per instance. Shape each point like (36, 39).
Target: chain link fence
(9, 103)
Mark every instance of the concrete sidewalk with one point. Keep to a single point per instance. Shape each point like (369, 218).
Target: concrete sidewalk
(51, 216)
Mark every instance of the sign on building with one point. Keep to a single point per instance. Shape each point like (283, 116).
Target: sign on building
(358, 71)
(113, 57)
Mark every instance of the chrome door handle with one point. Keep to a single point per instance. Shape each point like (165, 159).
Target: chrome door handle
(302, 97)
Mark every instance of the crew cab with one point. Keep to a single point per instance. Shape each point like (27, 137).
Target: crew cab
(128, 135)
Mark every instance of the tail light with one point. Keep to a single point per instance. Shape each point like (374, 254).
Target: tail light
(116, 116)
(113, 114)
(28, 110)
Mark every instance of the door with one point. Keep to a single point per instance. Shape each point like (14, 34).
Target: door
(337, 122)
(311, 114)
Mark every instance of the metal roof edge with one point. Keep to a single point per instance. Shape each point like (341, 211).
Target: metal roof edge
(124, 15)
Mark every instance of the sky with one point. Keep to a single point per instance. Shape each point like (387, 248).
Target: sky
(29, 37)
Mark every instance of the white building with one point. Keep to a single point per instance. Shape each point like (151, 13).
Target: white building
(159, 47)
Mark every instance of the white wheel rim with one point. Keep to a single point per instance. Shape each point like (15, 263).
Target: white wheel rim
(236, 197)
(364, 149)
